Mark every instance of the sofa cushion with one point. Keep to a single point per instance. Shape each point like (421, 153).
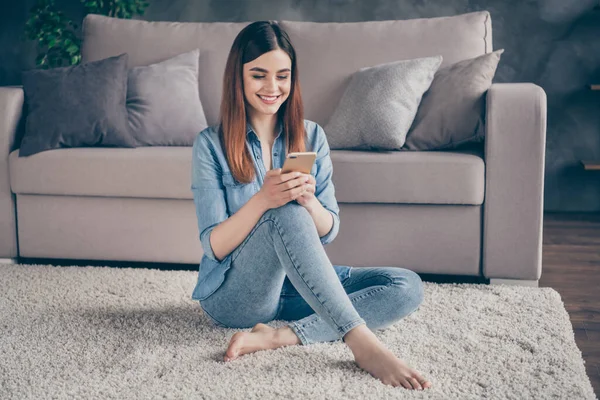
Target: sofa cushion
(380, 104)
(329, 53)
(340, 49)
(148, 42)
(150, 172)
(163, 106)
(164, 172)
(452, 111)
(440, 177)
(77, 106)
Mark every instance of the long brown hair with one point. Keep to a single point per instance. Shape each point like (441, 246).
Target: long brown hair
(253, 41)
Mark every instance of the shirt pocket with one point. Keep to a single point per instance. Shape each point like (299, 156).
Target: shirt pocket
(237, 194)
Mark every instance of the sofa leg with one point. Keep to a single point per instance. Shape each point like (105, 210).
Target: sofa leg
(514, 282)
(8, 261)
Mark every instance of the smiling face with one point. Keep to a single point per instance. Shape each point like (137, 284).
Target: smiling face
(267, 82)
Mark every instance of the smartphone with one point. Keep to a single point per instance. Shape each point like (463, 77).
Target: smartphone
(299, 162)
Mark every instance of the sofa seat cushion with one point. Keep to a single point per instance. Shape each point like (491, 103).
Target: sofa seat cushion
(423, 177)
(146, 172)
(165, 172)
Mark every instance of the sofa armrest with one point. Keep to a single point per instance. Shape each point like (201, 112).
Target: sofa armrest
(515, 146)
(11, 111)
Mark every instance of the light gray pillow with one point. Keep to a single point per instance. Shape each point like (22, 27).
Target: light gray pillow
(452, 111)
(163, 102)
(379, 105)
(77, 106)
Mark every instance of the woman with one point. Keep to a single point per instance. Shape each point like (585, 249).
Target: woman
(263, 231)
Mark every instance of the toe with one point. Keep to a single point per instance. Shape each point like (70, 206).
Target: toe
(422, 381)
(231, 353)
(415, 384)
(405, 383)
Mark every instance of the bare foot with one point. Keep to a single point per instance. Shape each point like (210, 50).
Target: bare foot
(261, 337)
(383, 364)
(372, 356)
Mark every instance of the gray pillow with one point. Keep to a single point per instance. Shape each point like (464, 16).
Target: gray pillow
(379, 105)
(452, 111)
(163, 102)
(77, 106)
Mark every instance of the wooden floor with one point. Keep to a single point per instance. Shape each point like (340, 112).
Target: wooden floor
(571, 266)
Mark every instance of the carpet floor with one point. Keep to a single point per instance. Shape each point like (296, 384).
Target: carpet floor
(133, 333)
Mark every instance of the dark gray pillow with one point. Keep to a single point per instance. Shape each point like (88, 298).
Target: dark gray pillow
(379, 105)
(452, 111)
(163, 102)
(77, 106)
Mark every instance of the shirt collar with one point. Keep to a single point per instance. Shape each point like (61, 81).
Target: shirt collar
(279, 128)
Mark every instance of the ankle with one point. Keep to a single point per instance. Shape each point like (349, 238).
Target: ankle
(361, 339)
(285, 336)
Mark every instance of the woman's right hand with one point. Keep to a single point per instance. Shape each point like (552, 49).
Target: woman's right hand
(279, 189)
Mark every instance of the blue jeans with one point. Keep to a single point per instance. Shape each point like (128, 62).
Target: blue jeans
(284, 246)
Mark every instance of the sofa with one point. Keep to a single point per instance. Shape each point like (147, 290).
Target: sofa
(473, 211)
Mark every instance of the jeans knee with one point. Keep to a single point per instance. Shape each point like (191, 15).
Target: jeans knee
(286, 209)
(411, 284)
(290, 215)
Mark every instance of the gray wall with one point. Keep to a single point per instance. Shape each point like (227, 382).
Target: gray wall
(553, 43)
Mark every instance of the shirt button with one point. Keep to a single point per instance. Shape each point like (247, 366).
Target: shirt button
(258, 157)
(274, 154)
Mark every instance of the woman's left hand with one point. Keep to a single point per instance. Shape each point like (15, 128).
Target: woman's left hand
(307, 198)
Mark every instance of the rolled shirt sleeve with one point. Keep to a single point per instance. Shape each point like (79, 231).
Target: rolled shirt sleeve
(325, 191)
(208, 191)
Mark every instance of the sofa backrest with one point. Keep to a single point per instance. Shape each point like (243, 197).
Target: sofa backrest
(328, 52)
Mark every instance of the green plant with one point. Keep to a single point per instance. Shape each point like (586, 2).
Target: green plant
(57, 37)
(115, 8)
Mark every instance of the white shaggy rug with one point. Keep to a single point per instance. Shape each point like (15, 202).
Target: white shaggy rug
(134, 333)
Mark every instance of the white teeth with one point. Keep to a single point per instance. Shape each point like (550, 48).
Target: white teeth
(268, 98)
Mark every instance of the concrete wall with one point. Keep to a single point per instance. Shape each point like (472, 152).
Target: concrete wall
(553, 43)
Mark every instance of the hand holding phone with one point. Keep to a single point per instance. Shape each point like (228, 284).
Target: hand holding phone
(279, 188)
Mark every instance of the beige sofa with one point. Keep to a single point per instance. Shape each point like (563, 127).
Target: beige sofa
(475, 212)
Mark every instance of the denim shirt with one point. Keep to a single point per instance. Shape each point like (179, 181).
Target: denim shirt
(218, 195)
